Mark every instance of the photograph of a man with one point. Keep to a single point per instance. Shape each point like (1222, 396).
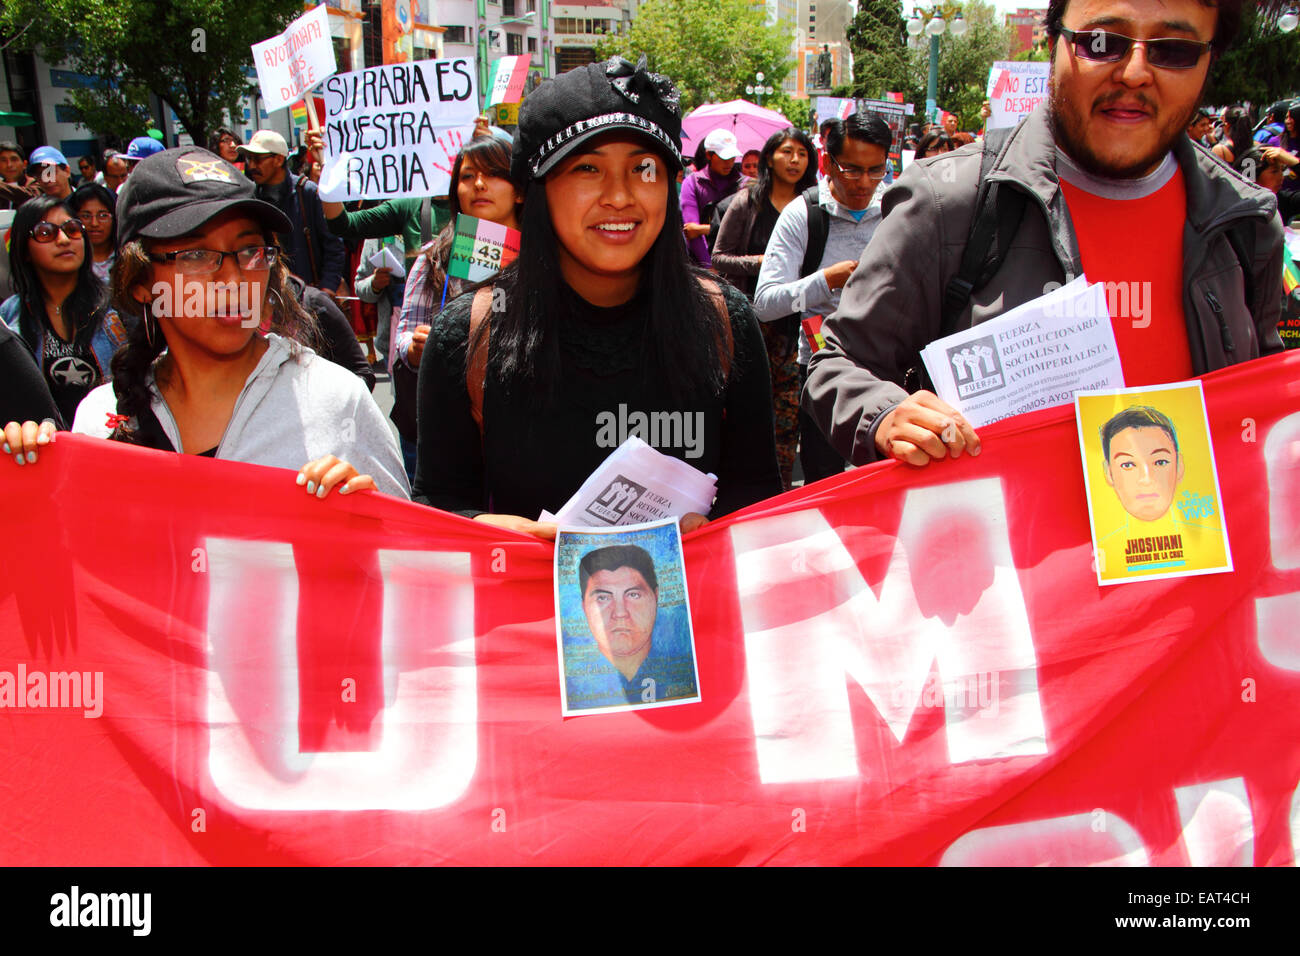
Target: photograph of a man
(624, 628)
(620, 596)
(1142, 463)
(1154, 502)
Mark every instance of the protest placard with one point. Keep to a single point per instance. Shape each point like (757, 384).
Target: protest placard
(1154, 502)
(298, 59)
(622, 620)
(480, 249)
(812, 330)
(1015, 89)
(506, 84)
(833, 107)
(1035, 356)
(894, 116)
(395, 130)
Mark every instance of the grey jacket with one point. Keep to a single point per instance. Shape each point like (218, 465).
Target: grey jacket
(294, 408)
(891, 307)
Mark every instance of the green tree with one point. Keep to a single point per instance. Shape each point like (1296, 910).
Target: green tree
(882, 62)
(710, 48)
(191, 54)
(885, 59)
(1262, 66)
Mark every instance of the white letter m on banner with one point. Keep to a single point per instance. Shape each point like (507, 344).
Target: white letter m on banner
(971, 619)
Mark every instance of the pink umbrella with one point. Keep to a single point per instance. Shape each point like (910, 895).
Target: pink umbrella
(751, 124)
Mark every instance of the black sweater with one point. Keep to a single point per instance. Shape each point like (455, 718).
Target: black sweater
(24, 396)
(531, 458)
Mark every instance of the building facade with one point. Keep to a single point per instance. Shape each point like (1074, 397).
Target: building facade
(1028, 25)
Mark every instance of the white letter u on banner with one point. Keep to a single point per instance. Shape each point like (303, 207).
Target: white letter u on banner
(427, 747)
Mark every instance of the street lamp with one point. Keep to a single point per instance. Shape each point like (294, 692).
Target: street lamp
(758, 89)
(1288, 21)
(934, 29)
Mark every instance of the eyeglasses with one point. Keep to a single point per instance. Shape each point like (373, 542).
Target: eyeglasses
(854, 173)
(1102, 46)
(46, 231)
(200, 262)
(101, 216)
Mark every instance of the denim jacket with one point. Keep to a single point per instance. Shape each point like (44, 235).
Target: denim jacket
(110, 335)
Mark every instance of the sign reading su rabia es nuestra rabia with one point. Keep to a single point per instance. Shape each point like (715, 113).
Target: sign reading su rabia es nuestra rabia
(394, 130)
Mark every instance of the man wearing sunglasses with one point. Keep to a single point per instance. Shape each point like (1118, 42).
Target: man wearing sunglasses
(804, 268)
(1101, 181)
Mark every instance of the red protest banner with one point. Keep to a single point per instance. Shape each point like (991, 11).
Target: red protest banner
(198, 664)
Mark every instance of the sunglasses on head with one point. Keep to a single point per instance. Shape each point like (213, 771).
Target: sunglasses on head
(1103, 46)
(46, 231)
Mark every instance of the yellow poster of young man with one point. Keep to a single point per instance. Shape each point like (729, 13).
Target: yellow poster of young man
(1153, 488)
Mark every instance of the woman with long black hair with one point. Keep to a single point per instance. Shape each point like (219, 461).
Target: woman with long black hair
(601, 319)
(96, 207)
(481, 187)
(1239, 139)
(785, 169)
(59, 307)
(200, 272)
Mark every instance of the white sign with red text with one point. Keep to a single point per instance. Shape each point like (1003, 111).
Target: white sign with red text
(292, 63)
(1015, 89)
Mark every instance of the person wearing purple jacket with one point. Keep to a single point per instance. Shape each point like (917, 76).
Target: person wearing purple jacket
(704, 189)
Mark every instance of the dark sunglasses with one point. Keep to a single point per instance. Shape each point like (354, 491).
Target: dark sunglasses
(46, 231)
(1102, 46)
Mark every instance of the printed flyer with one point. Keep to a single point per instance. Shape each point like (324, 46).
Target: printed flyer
(1153, 487)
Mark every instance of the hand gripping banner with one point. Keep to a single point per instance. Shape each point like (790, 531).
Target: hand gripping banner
(199, 664)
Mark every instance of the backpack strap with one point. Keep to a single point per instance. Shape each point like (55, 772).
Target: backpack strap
(300, 187)
(476, 360)
(719, 301)
(999, 209)
(1242, 240)
(819, 227)
(426, 220)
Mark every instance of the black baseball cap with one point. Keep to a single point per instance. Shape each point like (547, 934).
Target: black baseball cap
(174, 192)
(592, 100)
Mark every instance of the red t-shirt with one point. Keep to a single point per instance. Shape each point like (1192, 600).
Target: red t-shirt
(1135, 246)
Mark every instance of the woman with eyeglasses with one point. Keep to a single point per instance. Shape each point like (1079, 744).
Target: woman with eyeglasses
(95, 206)
(226, 144)
(59, 307)
(933, 143)
(199, 272)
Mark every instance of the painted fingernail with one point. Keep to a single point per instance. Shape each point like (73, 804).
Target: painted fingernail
(322, 491)
(31, 457)
(19, 458)
(7, 449)
(347, 486)
(302, 479)
(311, 487)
